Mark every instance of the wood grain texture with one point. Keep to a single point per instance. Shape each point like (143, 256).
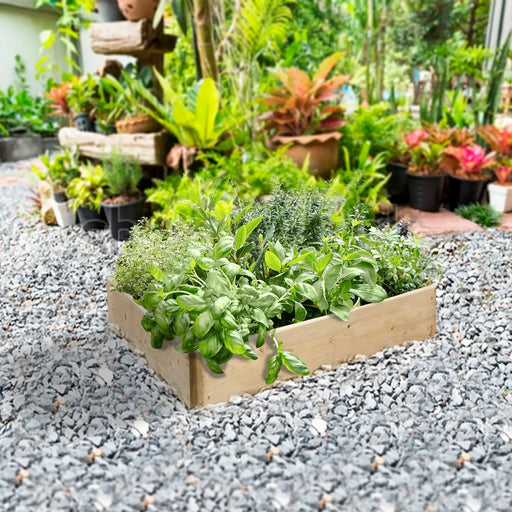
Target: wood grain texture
(129, 38)
(146, 148)
(318, 342)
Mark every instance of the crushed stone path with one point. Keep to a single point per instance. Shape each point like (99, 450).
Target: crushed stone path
(85, 426)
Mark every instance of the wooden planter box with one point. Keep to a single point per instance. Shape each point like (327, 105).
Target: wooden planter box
(145, 148)
(326, 341)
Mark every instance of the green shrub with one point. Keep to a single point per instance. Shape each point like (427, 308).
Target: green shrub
(482, 214)
(122, 177)
(165, 248)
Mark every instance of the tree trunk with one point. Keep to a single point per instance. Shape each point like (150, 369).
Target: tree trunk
(205, 38)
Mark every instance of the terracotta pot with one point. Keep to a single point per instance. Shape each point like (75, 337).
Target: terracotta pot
(139, 124)
(135, 10)
(322, 150)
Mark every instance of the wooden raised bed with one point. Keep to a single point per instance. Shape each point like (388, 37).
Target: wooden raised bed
(326, 341)
(146, 148)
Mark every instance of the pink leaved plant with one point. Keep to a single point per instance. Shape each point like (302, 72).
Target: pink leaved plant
(415, 138)
(503, 174)
(473, 161)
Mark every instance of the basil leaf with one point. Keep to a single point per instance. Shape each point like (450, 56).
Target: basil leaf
(203, 323)
(234, 342)
(214, 366)
(157, 338)
(210, 346)
(157, 274)
(294, 364)
(148, 322)
(274, 365)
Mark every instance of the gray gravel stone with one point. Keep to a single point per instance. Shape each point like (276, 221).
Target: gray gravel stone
(424, 426)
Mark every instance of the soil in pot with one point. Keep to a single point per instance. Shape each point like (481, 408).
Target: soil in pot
(135, 10)
(109, 11)
(91, 219)
(83, 123)
(122, 214)
(425, 191)
(322, 150)
(464, 191)
(397, 183)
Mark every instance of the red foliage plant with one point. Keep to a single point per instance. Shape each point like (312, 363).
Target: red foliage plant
(304, 105)
(58, 95)
(503, 174)
(498, 139)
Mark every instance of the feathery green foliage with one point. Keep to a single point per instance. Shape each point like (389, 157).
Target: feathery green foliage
(122, 177)
(483, 214)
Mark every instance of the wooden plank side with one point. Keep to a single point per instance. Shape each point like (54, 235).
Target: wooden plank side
(129, 38)
(124, 317)
(146, 148)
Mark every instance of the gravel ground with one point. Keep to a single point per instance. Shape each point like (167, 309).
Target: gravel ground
(87, 427)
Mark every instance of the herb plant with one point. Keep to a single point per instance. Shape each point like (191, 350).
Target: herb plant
(122, 177)
(58, 170)
(88, 189)
(483, 214)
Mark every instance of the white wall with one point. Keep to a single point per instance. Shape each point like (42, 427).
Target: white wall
(19, 34)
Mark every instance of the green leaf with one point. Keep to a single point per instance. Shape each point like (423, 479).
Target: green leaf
(150, 300)
(181, 325)
(294, 364)
(234, 342)
(163, 315)
(253, 224)
(244, 250)
(220, 305)
(190, 302)
(266, 300)
(259, 316)
(274, 365)
(203, 323)
(307, 290)
(223, 356)
(232, 270)
(370, 293)
(159, 14)
(157, 338)
(190, 343)
(272, 261)
(342, 312)
(217, 282)
(229, 321)
(214, 366)
(300, 312)
(207, 108)
(240, 237)
(323, 262)
(210, 346)
(223, 247)
(148, 322)
(262, 336)
(249, 353)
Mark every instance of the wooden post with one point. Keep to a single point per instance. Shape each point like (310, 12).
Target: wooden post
(204, 34)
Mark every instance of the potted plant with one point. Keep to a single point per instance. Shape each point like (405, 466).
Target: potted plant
(86, 193)
(468, 181)
(500, 192)
(121, 104)
(80, 101)
(305, 116)
(109, 11)
(425, 176)
(59, 171)
(59, 102)
(135, 10)
(124, 205)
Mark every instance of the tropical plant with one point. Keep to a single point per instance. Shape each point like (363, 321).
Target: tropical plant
(59, 170)
(81, 94)
(359, 189)
(482, 214)
(425, 154)
(122, 177)
(498, 139)
(304, 105)
(59, 98)
(88, 189)
(503, 174)
(473, 161)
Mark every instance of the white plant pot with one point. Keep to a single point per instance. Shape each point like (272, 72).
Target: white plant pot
(64, 215)
(500, 197)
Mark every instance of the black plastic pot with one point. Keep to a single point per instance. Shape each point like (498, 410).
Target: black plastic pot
(109, 11)
(91, 219)
(397, 183)
(83, 123)
(60, 197)
(106, 130)
(464, 191)
(425, 191)
(122, 217)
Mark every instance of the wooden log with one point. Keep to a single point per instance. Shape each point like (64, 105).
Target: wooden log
(325, 341)
(129, 38)
(145, 148)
